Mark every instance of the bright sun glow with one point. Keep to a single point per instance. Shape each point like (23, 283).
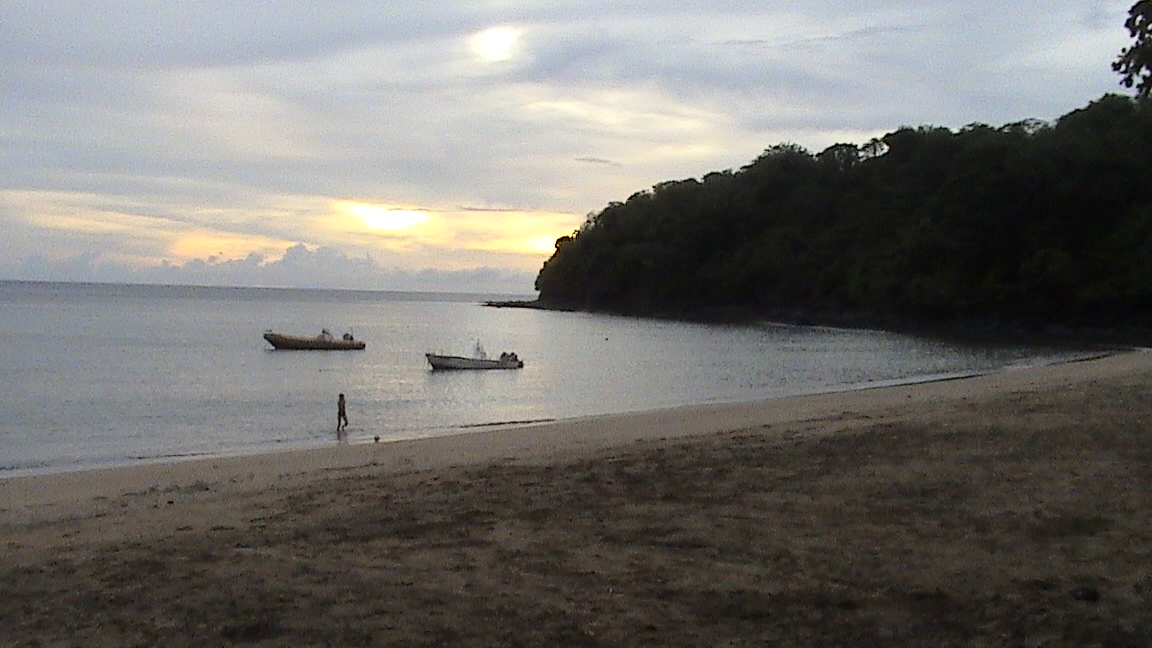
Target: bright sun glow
(383, 218)
(496, 44)
(541, 244)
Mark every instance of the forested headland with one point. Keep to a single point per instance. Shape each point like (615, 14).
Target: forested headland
(1031, 223)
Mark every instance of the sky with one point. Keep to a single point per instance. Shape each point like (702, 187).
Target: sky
(445, 146)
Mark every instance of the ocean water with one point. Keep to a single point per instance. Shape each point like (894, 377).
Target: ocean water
(99, 375)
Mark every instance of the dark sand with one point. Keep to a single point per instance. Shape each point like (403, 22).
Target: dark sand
(1007, 510)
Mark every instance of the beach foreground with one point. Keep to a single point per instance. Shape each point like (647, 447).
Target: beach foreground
(1004, 510)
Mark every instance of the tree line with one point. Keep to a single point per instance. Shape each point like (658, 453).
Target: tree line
(1027, 222)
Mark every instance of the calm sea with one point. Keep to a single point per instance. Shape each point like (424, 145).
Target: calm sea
(98, 375)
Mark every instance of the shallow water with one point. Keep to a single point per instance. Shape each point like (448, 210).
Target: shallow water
(100, 375)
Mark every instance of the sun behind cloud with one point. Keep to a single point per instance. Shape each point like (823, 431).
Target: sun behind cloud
(496, 44)
(384, 218)
(541, 244)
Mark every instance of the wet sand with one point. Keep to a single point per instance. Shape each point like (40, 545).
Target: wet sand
(1013, 509)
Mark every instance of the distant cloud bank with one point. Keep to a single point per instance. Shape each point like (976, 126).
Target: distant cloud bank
(298, 268)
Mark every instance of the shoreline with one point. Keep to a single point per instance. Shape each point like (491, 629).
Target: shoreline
(315, 445)
(977, 330)
(512, 440)
(1008, 508)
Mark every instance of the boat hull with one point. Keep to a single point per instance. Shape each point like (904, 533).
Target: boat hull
(298, 343)
(441, 362)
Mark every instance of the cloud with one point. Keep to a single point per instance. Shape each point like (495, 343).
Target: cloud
(299, 267)
(593, 160)
(139, 133)
(145, 34)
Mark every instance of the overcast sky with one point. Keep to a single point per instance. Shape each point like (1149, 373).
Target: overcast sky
(445, 145)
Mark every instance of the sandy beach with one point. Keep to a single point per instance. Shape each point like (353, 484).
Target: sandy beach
(1012, 509)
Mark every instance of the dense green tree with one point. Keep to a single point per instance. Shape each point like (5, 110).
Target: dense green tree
(1032, 221)
(1135, 62)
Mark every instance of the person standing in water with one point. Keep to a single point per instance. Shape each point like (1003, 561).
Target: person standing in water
(341, 415)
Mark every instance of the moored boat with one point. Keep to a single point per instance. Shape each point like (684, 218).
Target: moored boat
(479, 360)
(322, 342)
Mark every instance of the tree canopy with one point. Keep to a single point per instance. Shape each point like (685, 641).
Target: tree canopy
(1135, 62)
(1031, 221)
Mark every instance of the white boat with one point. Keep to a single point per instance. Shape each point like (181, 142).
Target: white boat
(322, 342)
(479, 360)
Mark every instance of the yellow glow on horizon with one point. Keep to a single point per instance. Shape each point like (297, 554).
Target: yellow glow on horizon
(203, 245)
(384, 218)
(94, 221)
(541, 244)
(528, 234)
(411, 235)
(496, 43)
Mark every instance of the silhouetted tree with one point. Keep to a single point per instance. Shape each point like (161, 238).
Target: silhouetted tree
(1135, 62)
